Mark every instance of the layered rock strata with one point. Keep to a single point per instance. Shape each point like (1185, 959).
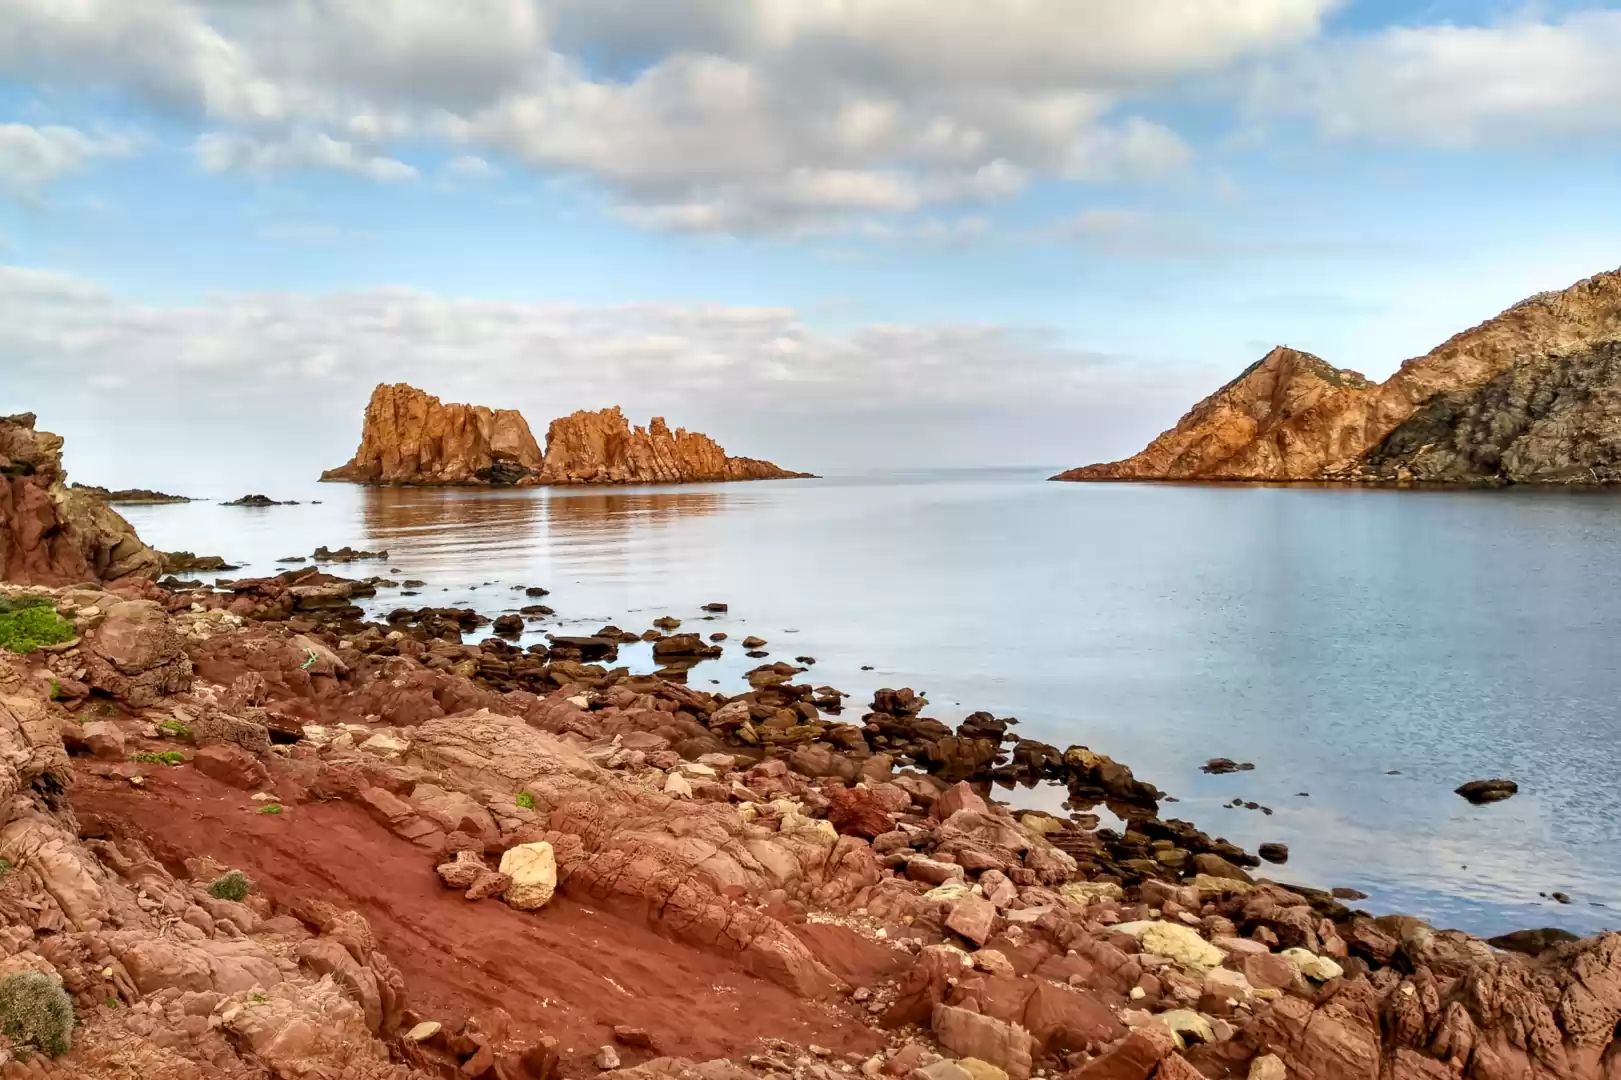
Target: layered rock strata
(1527, 397)
(52, 534)
(412, 438)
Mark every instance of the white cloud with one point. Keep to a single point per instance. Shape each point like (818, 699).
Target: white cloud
(274, 345)
(32, 157)
(469, 167)
(1459, 86)
(218, 152)
(733, 114)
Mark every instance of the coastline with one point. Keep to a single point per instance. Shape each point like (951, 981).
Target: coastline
(760, 828)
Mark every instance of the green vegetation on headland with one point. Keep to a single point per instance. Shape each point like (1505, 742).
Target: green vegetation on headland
(30, 622)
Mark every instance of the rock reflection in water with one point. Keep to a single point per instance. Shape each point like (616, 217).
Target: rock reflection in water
(434, 523)
(601, 512)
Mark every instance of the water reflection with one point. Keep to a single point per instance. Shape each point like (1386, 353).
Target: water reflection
(600, 512)
(470, 527)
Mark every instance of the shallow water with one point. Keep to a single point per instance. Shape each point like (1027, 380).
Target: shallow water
(1372, 648)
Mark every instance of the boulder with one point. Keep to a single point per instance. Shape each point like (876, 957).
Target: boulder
(533, 870)
(969, 1034)
(137, 655)
(230, 764)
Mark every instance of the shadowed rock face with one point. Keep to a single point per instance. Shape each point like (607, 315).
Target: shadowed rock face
(412, 438)
(51, 534)
(1524, 397)
(602, 448)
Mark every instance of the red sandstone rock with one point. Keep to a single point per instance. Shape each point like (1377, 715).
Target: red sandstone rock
(1291, 416)
(230, 764)
(51, 534)
(602, 448)
(410, 437)
(858, 812)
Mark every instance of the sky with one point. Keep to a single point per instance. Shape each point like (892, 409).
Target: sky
(840, 234)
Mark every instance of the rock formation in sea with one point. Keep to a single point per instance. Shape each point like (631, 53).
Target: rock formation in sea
(51, 534)
(410, 437)
(1531, 396)
(602, 448)
(130, 496)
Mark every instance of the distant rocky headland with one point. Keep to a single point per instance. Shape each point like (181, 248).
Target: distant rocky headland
(1532, 396)
(412, 438)
(130, 496)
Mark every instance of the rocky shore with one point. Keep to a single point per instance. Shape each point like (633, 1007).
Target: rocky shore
(412, 438)
(249, 832)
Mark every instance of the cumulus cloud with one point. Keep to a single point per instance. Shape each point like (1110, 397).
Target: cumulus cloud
(1459, 86)
(32, 157)
(695, 114)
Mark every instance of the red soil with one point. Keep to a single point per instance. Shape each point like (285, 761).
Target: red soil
(566, 971)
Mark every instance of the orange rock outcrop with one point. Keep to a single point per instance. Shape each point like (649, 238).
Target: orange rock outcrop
(410, 437)
(1293, 417)
(602, 448)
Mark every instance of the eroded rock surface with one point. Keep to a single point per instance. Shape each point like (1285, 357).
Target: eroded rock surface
(410, 437)
(602, 448)
(1527, 397)
(51, 534)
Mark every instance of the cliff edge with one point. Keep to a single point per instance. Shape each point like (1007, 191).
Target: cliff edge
(51, 534)
(410, 437)
(1522, 398)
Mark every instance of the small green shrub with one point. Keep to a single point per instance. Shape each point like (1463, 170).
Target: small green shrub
(5, 867)
(8, 604)
(526, 800)
(25, 630)
(36, 1014)
(271, 809)
(56, 690)
(233, 885)
(168, 757)
(175, 728)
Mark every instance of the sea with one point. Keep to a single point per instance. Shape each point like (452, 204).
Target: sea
(1366, 650)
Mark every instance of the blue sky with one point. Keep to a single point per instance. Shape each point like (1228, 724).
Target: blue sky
(833, 232)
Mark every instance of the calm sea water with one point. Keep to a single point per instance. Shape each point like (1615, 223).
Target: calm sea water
(1372, 648)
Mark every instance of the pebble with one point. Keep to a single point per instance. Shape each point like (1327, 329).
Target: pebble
(607, 1058)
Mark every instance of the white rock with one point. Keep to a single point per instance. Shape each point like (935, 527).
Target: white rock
(1312, 966)
(1268, 1067)
(607, 1058)
(676, 786)
(385, 745)
(1188, 1026)
(533, 869)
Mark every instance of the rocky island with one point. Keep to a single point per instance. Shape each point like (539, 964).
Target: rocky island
(1529, 397)
(412, 438)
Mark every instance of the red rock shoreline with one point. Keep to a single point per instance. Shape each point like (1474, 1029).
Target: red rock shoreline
(738, 878)
(486, 861)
